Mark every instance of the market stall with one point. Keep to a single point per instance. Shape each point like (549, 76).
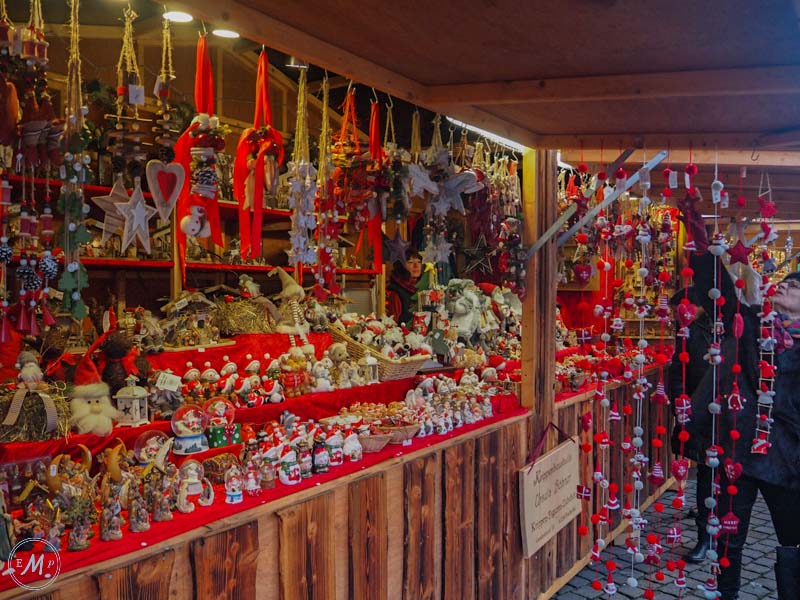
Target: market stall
(329, 358)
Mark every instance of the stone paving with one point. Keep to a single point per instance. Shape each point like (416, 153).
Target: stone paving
(758, 578)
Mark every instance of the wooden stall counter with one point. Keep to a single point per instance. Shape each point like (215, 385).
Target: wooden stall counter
(373, 529)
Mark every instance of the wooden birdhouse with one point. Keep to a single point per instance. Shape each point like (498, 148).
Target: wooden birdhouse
(132, 404)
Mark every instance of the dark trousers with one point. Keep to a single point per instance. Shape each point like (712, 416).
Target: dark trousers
(782, 503)
(702, 491)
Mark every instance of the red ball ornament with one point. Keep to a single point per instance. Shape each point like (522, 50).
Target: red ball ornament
(735, 435)
(600, 346)
(611, 566)
(659, 576)
(683, 436)
(601, 265)
(627, 488)
(724, 562)
(597, 585)
(670, 565)
(583, 168)
(627, 410)
(583, 530)
(649, 594)
(582, 238)
(681, 563)
(732, 490)
(740, 283)
(586, 448)
(741, 201)
(691, 169)
(662, 359)
(617, 283)
(651, 538)
(684, 357)
(691, 191)
(658, 507)
(736, 369)
(620, 173)
(721, 301)
(666, 192)
(677, 503)
(602, 176)
(628, 263)
(661, 430)
(595, 519)
(613, 488)
(656, 443)
(687, 272)
(663, 276)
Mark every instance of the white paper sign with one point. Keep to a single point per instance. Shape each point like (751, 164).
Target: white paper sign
(547, 495)
(136, 95)
(168, 381)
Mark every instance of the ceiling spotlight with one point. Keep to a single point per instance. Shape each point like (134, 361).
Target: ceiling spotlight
(177, 16)
(225, 33)
(296, 63)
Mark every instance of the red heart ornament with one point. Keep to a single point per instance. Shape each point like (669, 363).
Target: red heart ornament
(679, 469)
(733, 470)
(582, 273)
(165, 182)
(686, 314)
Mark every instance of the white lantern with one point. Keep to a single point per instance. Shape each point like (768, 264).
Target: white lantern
(368, 367)
(132, 403)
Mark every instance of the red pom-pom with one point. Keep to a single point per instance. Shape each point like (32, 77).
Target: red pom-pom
(659, 576)
(683, 436)
(617, 283)
(741, 201)
(721, 301)
(620, 173)
(684, 357)
(627, 410)
(601, 265)
(740, 283)
(583, 530)
(586, 448)
(681, 564)
(583, 168)
(661, 430)
(677, 503)
(628, 263)
(595, 519)
(763, 417)
(732, 490)
(598, 437)
(600, 346)
(611, 566)
(662, 359)
(657, 443)
(666, 192)
(613, 488)
(736, 369)
(735, 435)
(649, 594)
(667, 172)
(691, 169)
(663, 276)
(687, 272)
(627, 488)
(651, 538)
(582, 238)
(658, 507)
(602, 176)
(597, 585)
(670, 565)
(724, 562)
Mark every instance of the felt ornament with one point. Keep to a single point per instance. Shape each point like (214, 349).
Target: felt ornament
(396, 248)
(137, 215)
(165, 182)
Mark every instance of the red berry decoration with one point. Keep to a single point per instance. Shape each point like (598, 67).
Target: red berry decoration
(691, 169)
(687, 272)
(582, 238)
(735, 435)
(602, 176)
(741, 202)
(597, 585)
(620, 173)
(683, 436)
(649, 594)
(659, 576)
(583, 168)
(724, 562)
(583, 530)
(732, 490)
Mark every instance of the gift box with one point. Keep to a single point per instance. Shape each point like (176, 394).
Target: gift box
(220, 436)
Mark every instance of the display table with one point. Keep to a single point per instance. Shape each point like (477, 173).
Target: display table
(377, 524)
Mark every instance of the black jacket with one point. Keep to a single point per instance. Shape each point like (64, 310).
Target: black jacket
(781, 464)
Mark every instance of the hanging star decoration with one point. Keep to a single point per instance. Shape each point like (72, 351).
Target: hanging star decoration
(137, 215)
(396, 248)
(430, 254)
(479, 256)
(739, 253)
(109, 204)
(443, 250)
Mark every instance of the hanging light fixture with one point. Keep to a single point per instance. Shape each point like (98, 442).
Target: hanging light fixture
(296, 63)
(178, 16)
(497, 139)
(225, 33)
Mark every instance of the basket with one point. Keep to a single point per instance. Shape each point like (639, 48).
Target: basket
(389, 369)
(375, 442)
(401, 433)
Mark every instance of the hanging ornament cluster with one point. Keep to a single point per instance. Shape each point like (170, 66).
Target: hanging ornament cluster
(198, 208)
(352, 189)
(327, 209)
(302, 178)
(259, 155)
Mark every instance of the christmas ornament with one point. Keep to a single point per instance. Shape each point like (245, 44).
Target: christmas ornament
(136, 214)
(165, 182)
(479, 256)
(109, 204)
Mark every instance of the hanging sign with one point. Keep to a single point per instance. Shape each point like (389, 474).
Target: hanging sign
(547, 495)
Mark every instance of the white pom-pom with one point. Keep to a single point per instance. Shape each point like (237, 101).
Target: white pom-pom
(633, 582)
(638, 431)
(643, 272)
(710, 503)
(605, 337)
(714, 293)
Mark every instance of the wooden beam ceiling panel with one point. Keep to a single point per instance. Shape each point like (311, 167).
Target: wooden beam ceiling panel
(752, 159)
(687, 84)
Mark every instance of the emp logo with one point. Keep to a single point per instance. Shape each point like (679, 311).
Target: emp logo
(33, 564)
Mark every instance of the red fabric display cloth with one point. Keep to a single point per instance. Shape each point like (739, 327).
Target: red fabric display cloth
(100, 551)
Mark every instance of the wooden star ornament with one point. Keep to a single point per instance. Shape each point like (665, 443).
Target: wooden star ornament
(137, 215)
(109, 204)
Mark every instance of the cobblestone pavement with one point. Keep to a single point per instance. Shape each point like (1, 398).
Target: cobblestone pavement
(758, 578)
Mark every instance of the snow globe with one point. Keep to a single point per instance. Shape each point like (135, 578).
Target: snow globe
(147, 446)
(234, 483)
(189, 424)
(222, 431)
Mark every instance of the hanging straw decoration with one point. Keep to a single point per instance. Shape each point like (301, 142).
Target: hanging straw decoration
(302, 177)
(416, 137)
(127, 68)
(328, 229)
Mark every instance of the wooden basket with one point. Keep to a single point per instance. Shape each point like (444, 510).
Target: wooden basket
(401, 433)
(375, 442)
(388, 368)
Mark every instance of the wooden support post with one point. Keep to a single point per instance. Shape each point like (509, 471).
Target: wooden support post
(175, 279)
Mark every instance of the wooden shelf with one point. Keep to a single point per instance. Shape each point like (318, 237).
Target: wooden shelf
(89, 190)
(204, 266)
(126, 263)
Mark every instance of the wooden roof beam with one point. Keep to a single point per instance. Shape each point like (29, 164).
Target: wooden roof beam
(683, 84)
(700, 156)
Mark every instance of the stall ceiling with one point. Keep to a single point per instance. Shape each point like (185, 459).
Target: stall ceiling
(634, 72)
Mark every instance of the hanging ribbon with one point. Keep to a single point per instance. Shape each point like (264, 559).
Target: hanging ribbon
(416, 137)
(15, 409)
(375, 147)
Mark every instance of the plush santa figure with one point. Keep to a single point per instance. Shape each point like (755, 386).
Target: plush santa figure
(92, 411)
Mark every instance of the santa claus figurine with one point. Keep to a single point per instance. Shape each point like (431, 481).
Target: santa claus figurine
(92, 411)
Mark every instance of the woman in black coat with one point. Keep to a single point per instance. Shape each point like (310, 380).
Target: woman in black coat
(775, 474)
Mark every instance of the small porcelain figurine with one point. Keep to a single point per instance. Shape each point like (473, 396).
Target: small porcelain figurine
(290, 470)
(182, 497)
(321, 455)
(138, 515)
(335, 442)
(304, 459)
(162, 511)
(79, 535)
(352, 446)
(252, 479)
(54, 536)
(110, 525)
(233, 485)
(207, 497)
(267, 474)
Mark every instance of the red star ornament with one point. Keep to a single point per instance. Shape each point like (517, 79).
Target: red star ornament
(739, 253)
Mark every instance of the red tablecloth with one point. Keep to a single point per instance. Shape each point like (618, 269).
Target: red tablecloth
(100, 551)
